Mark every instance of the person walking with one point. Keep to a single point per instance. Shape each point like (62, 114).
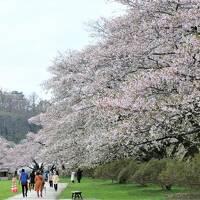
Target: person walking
(39, 184)
(73, 177)
(32, 180)
(79, 175)
(46, 175)
(29, 183)
(14, 183)
(50, 178)
(24, 182)
(55, 179)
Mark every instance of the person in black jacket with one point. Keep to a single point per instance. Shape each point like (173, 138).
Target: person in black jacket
(32, 180)
(79, 175)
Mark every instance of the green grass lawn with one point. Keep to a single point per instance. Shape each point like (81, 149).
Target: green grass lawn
(105, 190)
(5, 189)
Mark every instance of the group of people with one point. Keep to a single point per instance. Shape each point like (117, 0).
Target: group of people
(78, 175)
(36, 181)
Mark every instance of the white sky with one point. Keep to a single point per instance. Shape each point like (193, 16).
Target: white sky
(33, 31)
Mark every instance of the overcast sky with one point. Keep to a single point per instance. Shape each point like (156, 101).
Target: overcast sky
(33, 31)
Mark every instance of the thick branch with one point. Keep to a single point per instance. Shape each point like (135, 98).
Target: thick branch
(169, 137)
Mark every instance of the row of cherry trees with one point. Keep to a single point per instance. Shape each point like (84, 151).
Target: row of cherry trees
(136, 92)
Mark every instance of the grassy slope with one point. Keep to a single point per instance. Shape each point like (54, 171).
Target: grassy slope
(105, 190)
(5, 189)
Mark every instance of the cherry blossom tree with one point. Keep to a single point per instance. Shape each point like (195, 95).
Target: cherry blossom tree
(135, 93)
(5, 146)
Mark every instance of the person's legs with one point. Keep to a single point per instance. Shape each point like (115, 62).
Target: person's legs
(41, 192)
(29, 187)
(51, 183)
(32, 186)
(23, 190)
(26, 189)
(55, 187)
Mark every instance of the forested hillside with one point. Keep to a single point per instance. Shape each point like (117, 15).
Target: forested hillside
(15, 110)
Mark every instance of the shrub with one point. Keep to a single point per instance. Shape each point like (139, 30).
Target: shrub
(149, 172)
(89, 172)
(126, 173)
(98, 172)
(140, 176)
(192, 172)
(111, 170)
(172, 174)
(185, 173)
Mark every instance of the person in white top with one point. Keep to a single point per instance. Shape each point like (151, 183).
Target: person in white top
(73, 177)
(55, 179)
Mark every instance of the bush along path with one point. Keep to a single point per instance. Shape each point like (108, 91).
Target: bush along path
(48, 193)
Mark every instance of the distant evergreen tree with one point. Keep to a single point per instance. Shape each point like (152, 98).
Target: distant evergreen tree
(15, 110)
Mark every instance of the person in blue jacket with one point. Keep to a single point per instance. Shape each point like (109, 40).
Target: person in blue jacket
(24, 182)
